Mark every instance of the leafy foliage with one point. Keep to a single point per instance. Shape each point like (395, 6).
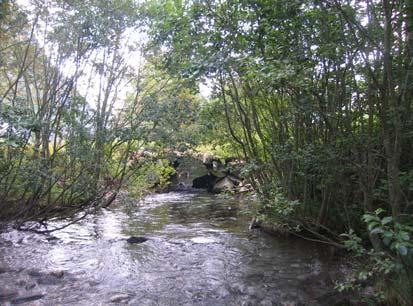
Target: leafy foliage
(313, 95)
(392, 265)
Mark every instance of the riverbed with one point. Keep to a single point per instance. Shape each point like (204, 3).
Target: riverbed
(199, 252)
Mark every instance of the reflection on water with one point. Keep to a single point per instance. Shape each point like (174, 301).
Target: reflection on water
(199, 252)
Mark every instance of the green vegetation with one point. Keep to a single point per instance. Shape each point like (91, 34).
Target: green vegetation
(317, 99)
(314, 96)
(75, 109)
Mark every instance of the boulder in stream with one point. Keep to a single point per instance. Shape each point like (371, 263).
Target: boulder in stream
(133, 239)
(205, 182)
(224, 184)
(227, 183)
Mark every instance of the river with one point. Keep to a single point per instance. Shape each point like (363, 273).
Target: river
(199, 252)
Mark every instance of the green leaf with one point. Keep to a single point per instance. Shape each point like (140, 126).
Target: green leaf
(368, 218)
(372, 225)
(377, 230)
(379, 211)
(386, 220)
(403, 236)
(388, 234)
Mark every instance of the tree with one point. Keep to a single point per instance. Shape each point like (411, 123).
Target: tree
(58, 149)
(315, 95)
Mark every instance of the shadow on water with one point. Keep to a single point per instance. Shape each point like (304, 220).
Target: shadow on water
(199, 252)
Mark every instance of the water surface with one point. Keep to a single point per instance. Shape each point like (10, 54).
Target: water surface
(199, 252)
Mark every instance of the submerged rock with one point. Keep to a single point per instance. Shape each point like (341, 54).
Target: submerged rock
(48, 280)
(30, 286)
(34, 273)
(42, 278)
(58, 273)
(27, 298)
(134, 239)
(52, 238)
(119, 298)
(5, 270)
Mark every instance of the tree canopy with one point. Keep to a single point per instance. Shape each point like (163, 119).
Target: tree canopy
(315, 97)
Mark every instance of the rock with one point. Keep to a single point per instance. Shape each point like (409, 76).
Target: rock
(58, 273)
(245, 188)
(252, 291)
(236, 180)
(119, 298)
(48, 280)
(134, 239)
(224, 184)
(222, 292)
(27, 298)
(216, 164)
(35, 273)
(52, 278)
(205, 182)
(228, 183)
(238, 288)
(4, 270)
(30, 286)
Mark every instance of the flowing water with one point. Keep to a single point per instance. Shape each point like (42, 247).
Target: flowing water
(199, 252)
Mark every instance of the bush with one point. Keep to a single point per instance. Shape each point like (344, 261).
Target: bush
(389, 268)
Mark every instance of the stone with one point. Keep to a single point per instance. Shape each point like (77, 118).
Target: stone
(52, 278)
(134, 239)
(224, 184)
(239, 288)
(205, 182)
(4, 270)
(51, 238)
(119, 298)
(27, 298)
(58, 273)
(222, 292)
(35, 273)
(48, 280)
(30, 286)
(246, 188)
